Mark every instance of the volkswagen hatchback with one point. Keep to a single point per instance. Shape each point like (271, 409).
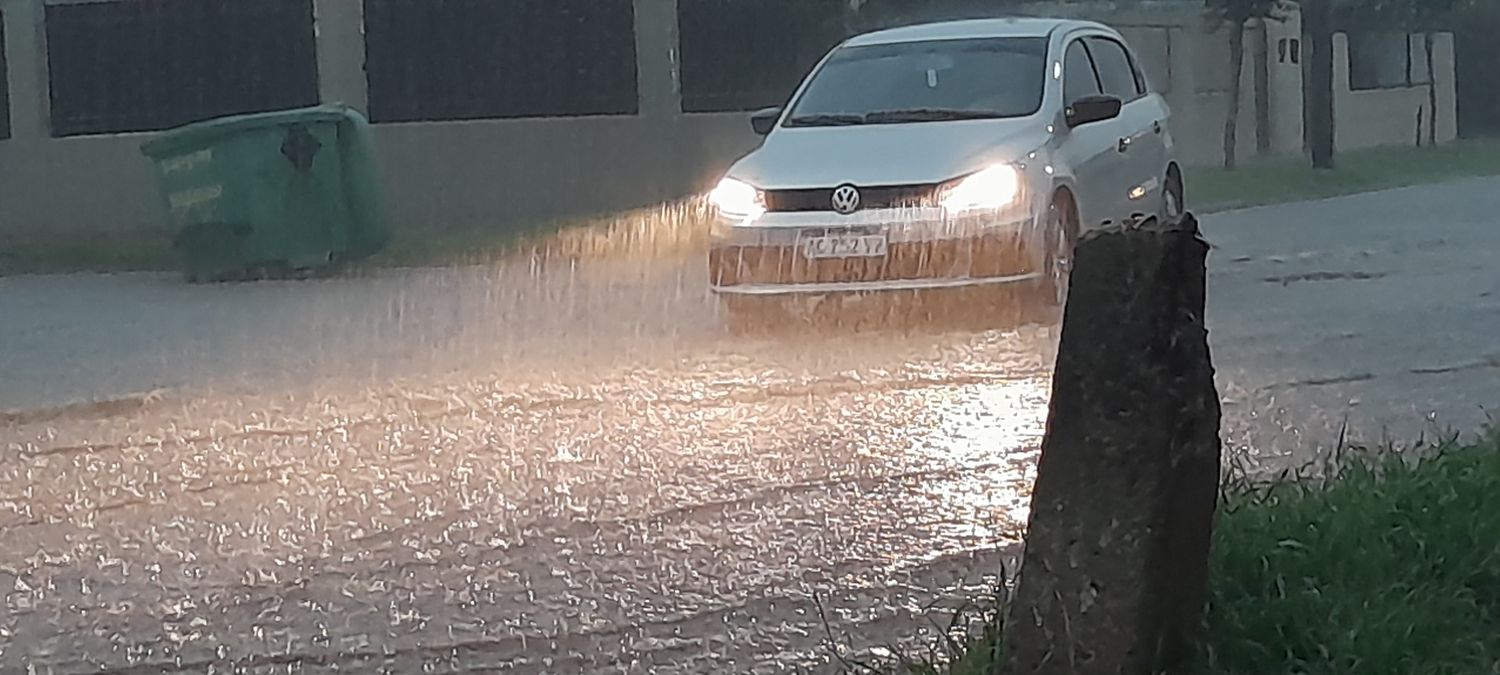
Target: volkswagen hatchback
(945, 155)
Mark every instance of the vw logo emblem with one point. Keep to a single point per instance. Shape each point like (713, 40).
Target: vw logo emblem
(846, 199)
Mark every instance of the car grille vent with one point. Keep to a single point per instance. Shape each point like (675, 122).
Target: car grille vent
(821, 199)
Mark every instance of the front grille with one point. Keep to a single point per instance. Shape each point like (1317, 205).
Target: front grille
(821, 199)
(978, 258)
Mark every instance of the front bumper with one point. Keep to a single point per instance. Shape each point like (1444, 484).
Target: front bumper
(926, 248)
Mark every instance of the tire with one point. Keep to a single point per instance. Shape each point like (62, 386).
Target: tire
(1061, 236)
(1174, 196)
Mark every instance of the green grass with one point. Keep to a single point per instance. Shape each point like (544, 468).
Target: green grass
(1387, 565)
(1393, 567)
(1254, 184)
(1291, 179)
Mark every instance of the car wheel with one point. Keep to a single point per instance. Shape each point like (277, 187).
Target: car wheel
(1173, 201)
(1062, 235)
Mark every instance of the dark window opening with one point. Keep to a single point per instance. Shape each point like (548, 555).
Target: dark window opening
(431, 60)
(1289, 50)
(1379, 61)
(741, 55)
(148, 65)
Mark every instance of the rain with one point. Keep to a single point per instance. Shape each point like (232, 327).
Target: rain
(560, 455)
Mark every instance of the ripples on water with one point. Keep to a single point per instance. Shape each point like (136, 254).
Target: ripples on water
(558, 462)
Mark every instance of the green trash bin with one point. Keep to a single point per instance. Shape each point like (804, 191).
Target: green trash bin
(270, 193)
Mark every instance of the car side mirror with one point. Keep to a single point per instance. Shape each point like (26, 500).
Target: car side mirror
(1091, 109)
(762, 121)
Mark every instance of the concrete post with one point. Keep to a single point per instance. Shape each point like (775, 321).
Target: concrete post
(340, 29)
(1114, 577)
(1286, 83)
(660, 97)
(1445, 66)
(656, 58)
(26, 56)
(1342, 90)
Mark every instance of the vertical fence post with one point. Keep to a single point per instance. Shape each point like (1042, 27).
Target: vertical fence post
(341, 52)
(26, 62)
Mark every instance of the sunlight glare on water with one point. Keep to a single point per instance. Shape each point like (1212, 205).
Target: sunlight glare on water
(556, 461)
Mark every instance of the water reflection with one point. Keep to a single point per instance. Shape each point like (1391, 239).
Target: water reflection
(544, 466)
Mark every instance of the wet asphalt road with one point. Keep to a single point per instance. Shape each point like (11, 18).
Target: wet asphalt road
(574, 468)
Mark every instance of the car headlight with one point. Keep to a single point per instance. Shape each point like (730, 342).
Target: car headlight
(992, 188)
(737, 199)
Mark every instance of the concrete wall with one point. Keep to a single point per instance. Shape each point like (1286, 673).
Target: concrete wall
(508, 172)
(493, 173)
(1380, 117)
(437, 175)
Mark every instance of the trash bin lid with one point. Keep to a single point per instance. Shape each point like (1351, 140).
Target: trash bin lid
(198, 134)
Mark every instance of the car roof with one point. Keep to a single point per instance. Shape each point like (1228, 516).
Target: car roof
(970, 28)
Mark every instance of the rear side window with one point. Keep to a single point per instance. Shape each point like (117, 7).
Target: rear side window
(1116, 72)
(1079, 79)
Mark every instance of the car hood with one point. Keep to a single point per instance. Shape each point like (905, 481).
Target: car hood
(885, 154)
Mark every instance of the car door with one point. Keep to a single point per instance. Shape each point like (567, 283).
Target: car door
(1089, 150)
(1139, 129)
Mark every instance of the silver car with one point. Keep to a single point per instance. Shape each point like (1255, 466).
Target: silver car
(945, 155)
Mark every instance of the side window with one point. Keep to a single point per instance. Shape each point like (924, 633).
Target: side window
(1141, 87)
(1079, 79)
(1116, 72)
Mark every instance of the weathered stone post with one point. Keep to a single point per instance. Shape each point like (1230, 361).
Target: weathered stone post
(1114, 576)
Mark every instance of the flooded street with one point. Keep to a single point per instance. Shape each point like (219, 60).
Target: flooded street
(639, 506)
(554, 465)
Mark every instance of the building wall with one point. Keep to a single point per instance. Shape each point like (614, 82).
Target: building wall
(506, 173)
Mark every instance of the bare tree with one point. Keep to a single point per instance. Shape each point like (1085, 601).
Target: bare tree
(1318, 113)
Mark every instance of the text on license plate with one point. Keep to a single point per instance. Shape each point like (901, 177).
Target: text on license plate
(844, 246)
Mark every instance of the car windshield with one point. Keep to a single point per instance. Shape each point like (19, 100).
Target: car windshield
(931, 81)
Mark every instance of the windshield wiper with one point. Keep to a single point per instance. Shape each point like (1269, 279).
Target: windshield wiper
(928, 115)
(825, 120)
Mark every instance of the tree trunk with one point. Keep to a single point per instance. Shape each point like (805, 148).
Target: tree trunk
(1432, 92)
(1236, 66)
(1318, 103)
(1263, 131)
(1114, 576)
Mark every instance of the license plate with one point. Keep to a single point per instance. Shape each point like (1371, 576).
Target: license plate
(844, 246)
